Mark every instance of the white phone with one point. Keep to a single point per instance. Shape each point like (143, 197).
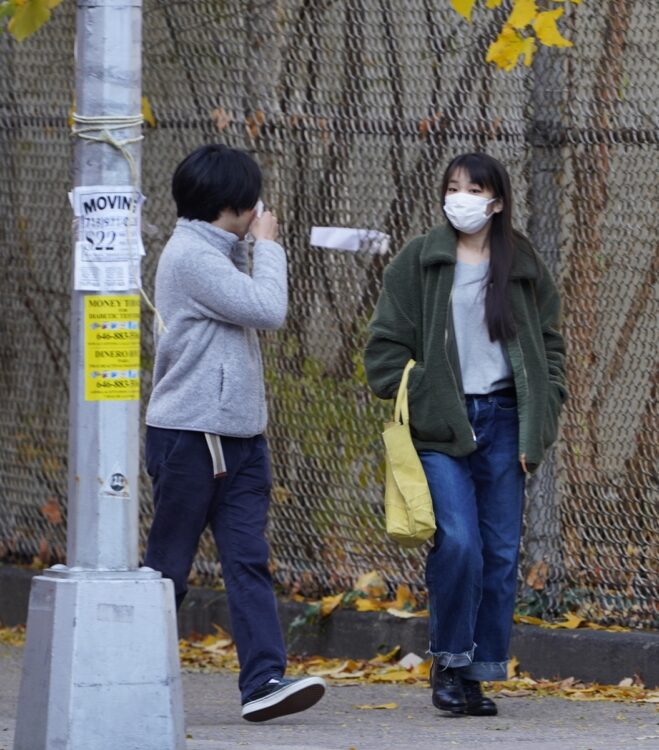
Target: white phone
(260, 208)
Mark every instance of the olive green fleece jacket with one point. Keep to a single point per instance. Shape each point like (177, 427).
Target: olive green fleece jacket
(413, 320)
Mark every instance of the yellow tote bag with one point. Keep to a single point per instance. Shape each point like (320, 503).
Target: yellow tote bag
(408, 508)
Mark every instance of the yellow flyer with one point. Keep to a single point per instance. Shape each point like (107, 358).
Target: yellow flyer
(112, 348)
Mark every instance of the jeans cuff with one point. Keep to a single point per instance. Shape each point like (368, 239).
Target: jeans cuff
(446, 659)
(490, 671)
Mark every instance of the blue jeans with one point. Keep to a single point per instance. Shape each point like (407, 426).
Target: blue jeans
(471, 572)
(187, 498)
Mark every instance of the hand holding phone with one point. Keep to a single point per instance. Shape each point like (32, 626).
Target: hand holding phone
(264, 227)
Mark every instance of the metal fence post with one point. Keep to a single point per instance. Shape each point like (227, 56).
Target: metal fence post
(101, 635)
(542, 539)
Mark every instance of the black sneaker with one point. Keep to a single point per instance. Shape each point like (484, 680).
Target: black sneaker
(282, 697)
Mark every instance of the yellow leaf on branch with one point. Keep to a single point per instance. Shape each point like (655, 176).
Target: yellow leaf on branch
(506, 50)
(464, 7)
(547, 31)
(536, 27)
(147, 113)
(28, 18)
(523, 12)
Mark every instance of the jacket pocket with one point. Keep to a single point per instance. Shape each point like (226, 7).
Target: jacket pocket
(221, 389)
(426, 422)
(550, 423)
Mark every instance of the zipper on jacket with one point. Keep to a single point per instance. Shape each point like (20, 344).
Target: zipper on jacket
(523, 438)
(450, 366)
(526, 380)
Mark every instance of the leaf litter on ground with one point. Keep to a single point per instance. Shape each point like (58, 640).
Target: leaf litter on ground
(217, 652)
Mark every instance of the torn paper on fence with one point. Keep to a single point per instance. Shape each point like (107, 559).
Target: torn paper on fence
(350, 239)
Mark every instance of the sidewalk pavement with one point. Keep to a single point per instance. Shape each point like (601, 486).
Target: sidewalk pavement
(587, 655)
(213, 720)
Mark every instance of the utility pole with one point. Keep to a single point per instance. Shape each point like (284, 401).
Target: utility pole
(101, 668)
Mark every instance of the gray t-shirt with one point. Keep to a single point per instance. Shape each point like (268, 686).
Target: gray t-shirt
(485, 366)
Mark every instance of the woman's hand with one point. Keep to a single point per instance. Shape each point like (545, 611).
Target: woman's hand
(264, 227)
(522, 460)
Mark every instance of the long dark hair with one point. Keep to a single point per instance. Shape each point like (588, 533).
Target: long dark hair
(490, 174)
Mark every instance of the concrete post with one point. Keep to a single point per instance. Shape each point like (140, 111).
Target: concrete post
(101, 667)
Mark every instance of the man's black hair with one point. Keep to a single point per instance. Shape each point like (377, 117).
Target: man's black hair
(214, 178)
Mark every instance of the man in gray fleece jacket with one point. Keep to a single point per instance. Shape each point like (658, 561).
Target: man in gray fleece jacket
(205, 449)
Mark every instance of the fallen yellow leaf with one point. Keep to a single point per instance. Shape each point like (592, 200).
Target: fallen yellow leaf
(329, 604)
(404, 596)
(528, 619)
(393, 675)
(386, 658)
(368, 605)
(513, 666)
(422, 671)
(571, 621)
(372, 584)
(403, 613)
(387, 706)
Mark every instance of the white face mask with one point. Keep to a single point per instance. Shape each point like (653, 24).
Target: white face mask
(466, 212)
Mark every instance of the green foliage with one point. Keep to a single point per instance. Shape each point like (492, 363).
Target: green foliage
(26, 16)
(335, 424)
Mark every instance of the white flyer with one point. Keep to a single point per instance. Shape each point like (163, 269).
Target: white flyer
(109, 247)
(104, 275)
(350, 239)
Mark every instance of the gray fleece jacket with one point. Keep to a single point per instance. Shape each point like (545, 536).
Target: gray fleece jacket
(208, 373)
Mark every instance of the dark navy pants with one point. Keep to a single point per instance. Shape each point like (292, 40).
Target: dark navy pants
(187, 498)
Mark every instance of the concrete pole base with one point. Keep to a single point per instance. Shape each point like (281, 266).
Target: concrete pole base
(101, 668)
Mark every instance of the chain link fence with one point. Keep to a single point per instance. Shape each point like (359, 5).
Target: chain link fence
(353, 108)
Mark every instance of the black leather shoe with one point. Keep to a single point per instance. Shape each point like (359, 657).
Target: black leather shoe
(447, 692)
(477, 703)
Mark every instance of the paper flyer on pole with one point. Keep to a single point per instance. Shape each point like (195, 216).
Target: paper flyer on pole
(108, 246)
(112, 347)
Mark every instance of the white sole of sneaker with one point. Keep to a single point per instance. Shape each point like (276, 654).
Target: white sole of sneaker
(289, 700)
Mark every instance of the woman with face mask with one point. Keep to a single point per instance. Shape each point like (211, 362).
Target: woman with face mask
(475, 306)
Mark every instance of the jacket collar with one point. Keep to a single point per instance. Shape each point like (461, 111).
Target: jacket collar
(440, 247)
(215, 236)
